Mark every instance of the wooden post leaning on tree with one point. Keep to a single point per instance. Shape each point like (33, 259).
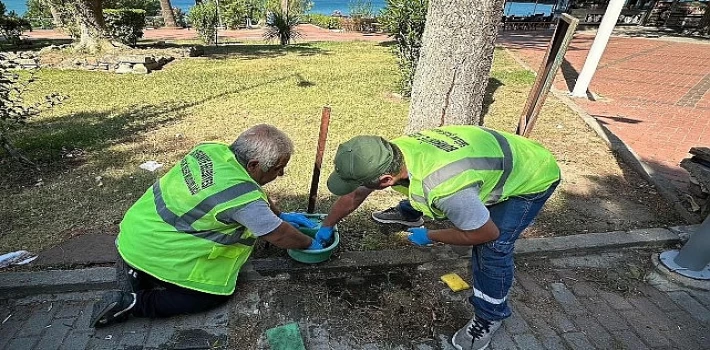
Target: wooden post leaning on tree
(455, 62)
(554, 56)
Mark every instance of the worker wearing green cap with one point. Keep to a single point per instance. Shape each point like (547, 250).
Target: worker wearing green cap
(489, 184)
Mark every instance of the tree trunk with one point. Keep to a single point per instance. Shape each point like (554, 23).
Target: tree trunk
(168, 15)
(89, 15)
(456, 57)
(56, 13)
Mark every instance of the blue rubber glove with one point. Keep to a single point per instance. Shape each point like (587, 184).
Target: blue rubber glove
(297, 220)
(315, 245)
(325, 234)
(418, 236)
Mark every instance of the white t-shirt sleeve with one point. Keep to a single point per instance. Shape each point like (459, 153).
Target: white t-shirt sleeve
(257, 216)
(464, 209)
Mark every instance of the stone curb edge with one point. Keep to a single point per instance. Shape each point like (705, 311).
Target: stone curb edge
(21, 284)
(615, 144)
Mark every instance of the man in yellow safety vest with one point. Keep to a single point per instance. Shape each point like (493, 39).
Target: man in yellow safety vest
(489, 184)
(192, 231)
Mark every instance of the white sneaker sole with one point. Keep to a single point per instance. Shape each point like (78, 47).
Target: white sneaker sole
(458, 347)
(401, 222)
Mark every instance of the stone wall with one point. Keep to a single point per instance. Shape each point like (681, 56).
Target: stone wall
(138, 61)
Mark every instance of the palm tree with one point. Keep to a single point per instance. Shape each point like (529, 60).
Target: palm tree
(168, 15)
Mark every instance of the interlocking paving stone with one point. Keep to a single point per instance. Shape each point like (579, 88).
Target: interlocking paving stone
(566, 299)
(692, 306)
(630, 340)
(22, 343)
(527, 341)
(605, 315)
(515, 324)
(54, 335)
(578, 341)
(40, 317)
(594, 332)
(646, 328)
(616, 301)
(502, 340)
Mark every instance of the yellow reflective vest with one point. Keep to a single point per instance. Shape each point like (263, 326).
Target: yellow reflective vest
(180, 231)
(445, 160)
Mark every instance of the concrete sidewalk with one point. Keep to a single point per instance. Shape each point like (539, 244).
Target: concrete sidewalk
(376, 300)
(572, 302)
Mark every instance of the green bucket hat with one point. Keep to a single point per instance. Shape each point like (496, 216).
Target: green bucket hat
(358, 161)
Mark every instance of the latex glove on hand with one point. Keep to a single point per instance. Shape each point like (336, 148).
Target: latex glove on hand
(324, 235)
(297, 220)
(418, 236)
(315, 245)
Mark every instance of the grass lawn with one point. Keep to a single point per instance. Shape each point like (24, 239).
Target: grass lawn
(90, 147)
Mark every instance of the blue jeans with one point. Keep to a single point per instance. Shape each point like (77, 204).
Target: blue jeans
(492, 262)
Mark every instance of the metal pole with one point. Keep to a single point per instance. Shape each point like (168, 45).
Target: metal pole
(322, 136)
(595, 53)
(693, 260)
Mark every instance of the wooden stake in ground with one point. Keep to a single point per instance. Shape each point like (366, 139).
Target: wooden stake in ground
(322, 136)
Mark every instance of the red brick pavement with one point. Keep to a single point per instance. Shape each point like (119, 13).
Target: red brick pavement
(655, 93)
(308, 33)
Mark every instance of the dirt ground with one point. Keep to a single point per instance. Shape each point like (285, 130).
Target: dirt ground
(402, 308)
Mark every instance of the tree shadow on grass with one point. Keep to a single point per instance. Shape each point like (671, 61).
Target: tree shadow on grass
(249, 52)
(493, 85)
(32, 44)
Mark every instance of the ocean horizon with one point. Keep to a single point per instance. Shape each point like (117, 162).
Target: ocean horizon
(327, 7)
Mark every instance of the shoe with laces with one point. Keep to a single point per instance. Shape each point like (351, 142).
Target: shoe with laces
(475, 335)
(113, 307)
(394, 216)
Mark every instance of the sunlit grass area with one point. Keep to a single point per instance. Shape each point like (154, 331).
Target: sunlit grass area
(90, 148)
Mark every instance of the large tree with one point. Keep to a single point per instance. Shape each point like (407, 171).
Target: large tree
(168, 15)
(89, 16)
(455, 62)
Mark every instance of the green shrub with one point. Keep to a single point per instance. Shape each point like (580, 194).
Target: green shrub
(361, 9)
(12, 26)
(203, 18)
(282, 26)
(323, 21)
(151, 7)
(125, 25)
(405, 20)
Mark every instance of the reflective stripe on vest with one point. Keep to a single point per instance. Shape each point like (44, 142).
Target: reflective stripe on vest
(184, 223)
(447, 172)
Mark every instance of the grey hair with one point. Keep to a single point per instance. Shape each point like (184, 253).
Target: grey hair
(263, 143)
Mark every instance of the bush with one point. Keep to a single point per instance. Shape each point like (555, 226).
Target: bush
(405, 20)
(151, 7)
(125, 25)
(282, 26)
(361, 9)
(12, 26)
(180, 17)
(203, 18)
(323, 21)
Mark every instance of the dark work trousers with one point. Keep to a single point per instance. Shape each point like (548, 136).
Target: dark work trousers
(156, 298)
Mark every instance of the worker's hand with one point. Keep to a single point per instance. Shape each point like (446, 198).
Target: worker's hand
(297, 220)
(418, 236)
(325, 234)
(315, 245)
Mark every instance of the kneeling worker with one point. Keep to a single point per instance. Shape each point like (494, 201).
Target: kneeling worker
(184, 241)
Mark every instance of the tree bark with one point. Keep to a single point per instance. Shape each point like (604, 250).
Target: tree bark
(168, 15)
(455, 61)
(89, 15)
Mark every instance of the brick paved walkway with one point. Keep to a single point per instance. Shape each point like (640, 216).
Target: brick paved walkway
(557, 305)
(655, 93)
(308, 33)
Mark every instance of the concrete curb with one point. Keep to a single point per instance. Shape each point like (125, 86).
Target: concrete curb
(21, 284)
(615, 144)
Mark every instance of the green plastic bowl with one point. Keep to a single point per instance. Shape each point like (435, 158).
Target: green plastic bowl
(315, 256)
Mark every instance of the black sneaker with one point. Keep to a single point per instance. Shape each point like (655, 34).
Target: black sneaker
(394, 216)
(113, 307)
